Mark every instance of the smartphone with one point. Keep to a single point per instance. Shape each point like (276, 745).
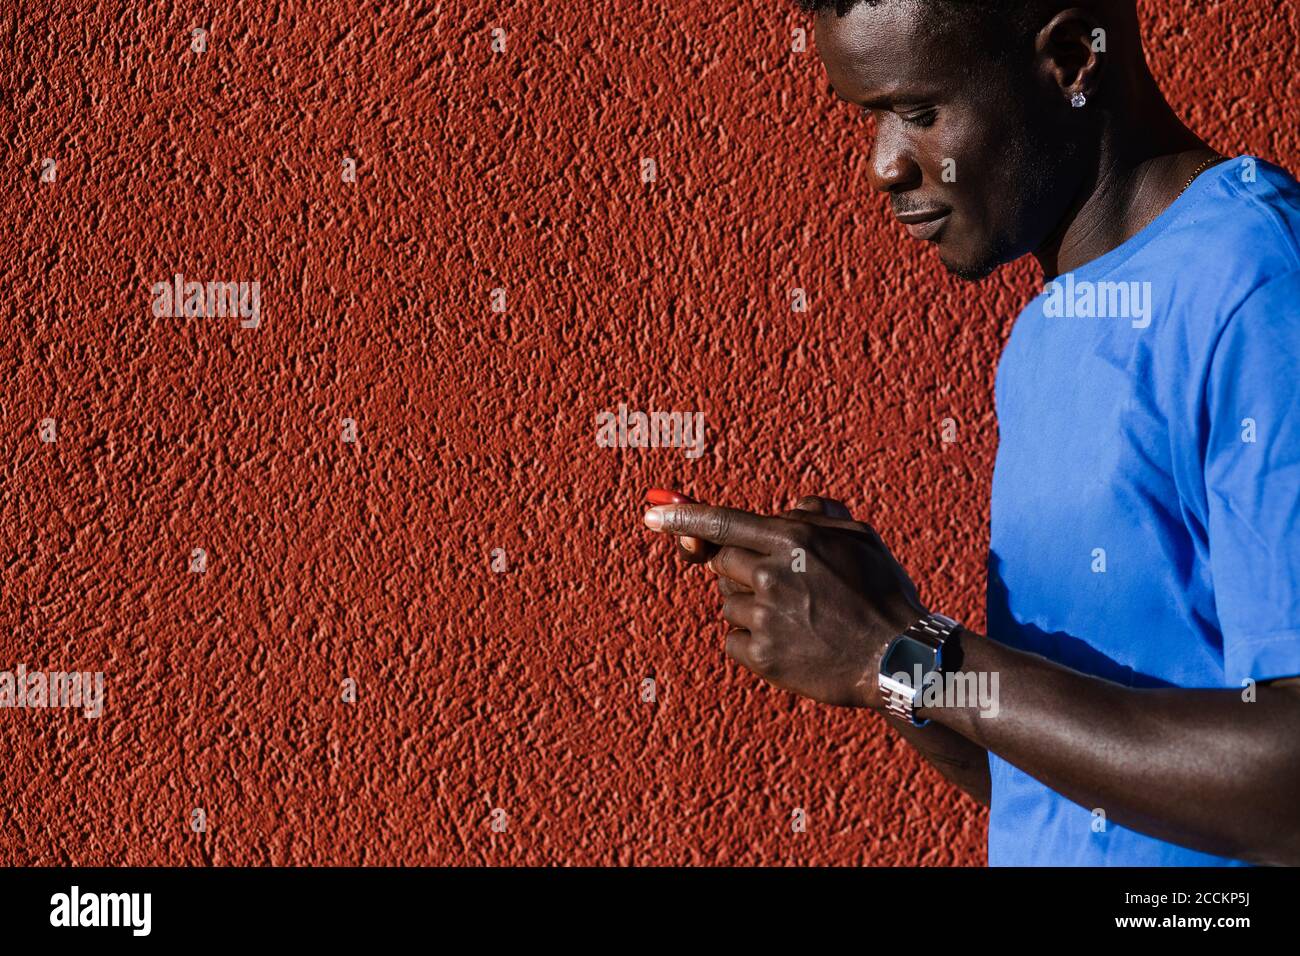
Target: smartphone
(662, 496)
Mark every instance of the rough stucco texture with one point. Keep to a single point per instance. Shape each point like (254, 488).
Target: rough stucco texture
(476, 170)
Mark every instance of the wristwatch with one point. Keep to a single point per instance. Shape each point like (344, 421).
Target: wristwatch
(923, 653)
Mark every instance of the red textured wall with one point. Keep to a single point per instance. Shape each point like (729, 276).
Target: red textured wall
(476, 170)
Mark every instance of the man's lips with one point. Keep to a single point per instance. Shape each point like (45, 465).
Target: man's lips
(925, 223)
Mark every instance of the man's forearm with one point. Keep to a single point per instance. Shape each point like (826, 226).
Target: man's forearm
(962, 762)
(1201, 768)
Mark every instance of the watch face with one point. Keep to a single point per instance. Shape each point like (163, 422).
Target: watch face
(903, 659)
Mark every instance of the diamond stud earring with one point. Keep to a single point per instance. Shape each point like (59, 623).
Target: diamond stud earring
(1077, 100)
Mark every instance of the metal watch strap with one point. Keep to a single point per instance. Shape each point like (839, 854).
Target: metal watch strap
(933, 630)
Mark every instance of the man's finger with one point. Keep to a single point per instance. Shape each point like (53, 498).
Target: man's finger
(829, 513)
(824, 506)
(728, 587)
(804, 509)
(821, 521)
(749, 651)
(695, 551)
(738, 610)
(690, 550)
(737, 564)
(724, 526)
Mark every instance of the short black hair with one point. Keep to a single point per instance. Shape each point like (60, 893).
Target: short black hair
(1012, 10)
(1018, 19)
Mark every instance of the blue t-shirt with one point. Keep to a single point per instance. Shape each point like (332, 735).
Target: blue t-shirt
(1146, 495)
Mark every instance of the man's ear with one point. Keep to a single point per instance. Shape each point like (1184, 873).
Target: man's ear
(1071, 50)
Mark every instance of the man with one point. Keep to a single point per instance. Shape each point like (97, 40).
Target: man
(1144, 574)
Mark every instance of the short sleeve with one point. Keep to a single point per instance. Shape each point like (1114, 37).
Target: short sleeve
(1252, 483)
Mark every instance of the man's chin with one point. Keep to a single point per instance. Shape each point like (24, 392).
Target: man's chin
(971, 271)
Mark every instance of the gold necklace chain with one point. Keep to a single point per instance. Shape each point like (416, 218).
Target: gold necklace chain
(1216, 158)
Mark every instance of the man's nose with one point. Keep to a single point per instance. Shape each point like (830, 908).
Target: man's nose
(893, 169)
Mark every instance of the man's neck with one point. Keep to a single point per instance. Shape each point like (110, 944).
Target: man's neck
(1141, 168)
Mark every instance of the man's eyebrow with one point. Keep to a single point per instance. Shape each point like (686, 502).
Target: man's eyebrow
(869, 104)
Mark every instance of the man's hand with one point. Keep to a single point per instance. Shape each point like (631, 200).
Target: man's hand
(813, 596)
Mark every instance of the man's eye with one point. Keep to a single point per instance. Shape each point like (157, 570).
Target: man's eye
(922, 119)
